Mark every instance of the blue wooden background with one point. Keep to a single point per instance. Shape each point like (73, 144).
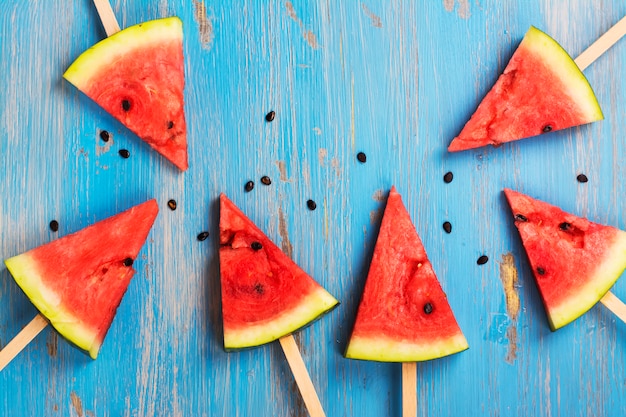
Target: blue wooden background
(396, 80)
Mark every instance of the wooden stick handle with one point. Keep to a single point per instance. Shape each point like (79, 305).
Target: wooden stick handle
(303, 379)
(409, 389)
(600, 46)
(22, 339)
(107, 16)
(614, 304)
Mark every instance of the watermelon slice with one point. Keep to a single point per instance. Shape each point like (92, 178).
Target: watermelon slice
(575, 262)
(404, 315)
(265, 295)
(541, 90)
(78, 281)
(137, 75)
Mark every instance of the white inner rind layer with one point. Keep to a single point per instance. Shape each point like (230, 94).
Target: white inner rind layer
(311, 307)
(607, 272)
(575, 83)
(384, 349)
(105, 52)
(26, 274)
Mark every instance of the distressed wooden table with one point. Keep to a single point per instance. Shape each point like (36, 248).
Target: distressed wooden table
(395, 80)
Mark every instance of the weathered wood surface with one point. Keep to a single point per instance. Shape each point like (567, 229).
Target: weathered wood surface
(396, 80)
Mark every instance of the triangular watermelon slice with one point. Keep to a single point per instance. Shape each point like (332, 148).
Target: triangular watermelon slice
(78, 281)
(541, 90)
(404, 315)
(575, 262)
(137, 75)
(265, 295)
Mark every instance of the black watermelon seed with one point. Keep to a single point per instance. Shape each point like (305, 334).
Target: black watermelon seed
(521, 217)
(483, 259)
(172, 204)
(428, 308)
(124, 153)
(258, 288)
(311, 205)
(266, 180)
(448, 177)
(565, 226)
(170, 124)
(104, 135)
(447, 226)
(582, 178)
(125, 105)
(270, 116)
(128, 262)
(546, 129)
(361, 157)
(54, 226)
(203, 236)
(256, 246)
(540, 270)
(249, 186)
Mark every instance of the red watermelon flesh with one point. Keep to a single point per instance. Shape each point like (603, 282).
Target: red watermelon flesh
(541, 90)
(404, 315)
(137, 75)
(265, 295)
(574, 261)
(78, 281)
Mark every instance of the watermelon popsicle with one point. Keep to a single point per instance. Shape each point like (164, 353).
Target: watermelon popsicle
(404, 315)
(541, 90)
(78, 281)
(265, 295)
(137, 76)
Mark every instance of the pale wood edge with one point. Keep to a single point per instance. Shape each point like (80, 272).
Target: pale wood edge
(409, 389)
(601, 45)
(614, 304)
(302, 377)
(23, 338)
(107, 16)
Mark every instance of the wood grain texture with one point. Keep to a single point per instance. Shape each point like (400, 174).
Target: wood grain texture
(395, 80)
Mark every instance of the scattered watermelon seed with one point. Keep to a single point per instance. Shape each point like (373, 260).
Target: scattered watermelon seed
(540, 270)
(172, 204)
(483, 259)
(447, 226)
(546, 129)
(249, 186)
(203, 236)
(361, 157)
(428, 308)
(565, 226)
(170, 124)
(126, 105)
(124, 153)
(311, 205)
(54, 226)
(266, 180)
(256, 246)
(105, 136)
(270, 116)
(582, 178)
(128, 262)
(448, 177)
(521, 217)
(258, 287)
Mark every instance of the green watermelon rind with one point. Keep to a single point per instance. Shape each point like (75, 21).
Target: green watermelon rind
(139, 36)
(26, 274)
(604, 277)
(382, 349)
(579, 89)
(311, 307)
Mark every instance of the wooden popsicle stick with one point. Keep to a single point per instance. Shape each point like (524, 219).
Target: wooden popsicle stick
(303, 379)
(409, 389)
(22, 339)
(107, 16)
(601, 45)
(614, 304)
